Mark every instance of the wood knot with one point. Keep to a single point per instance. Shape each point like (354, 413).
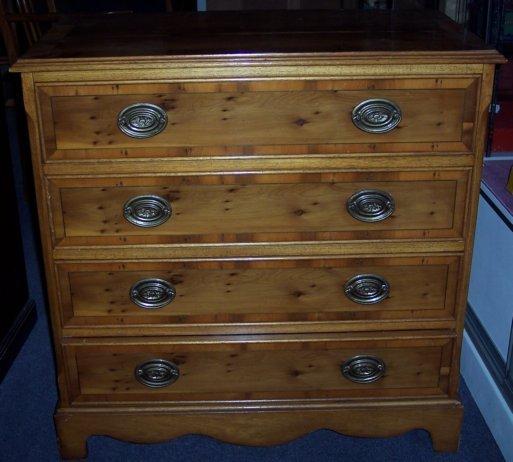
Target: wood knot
(300, 122)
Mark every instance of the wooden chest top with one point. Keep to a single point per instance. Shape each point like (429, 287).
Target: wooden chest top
(371, 36)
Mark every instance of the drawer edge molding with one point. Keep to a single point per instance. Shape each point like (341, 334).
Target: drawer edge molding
(256, 164)
(274, 405)
(423, 335)
(162, 252)
(326, 66)
(256, 328)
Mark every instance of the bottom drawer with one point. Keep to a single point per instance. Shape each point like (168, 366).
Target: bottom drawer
(260, 367)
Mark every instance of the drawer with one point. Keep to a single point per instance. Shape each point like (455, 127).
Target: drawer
(259, 367)
(229, 293)
(263, 117)
(259, 208)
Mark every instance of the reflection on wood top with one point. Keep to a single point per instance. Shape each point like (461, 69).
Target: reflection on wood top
(419, 35)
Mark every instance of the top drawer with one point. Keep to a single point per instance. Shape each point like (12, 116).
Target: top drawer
(258, 118)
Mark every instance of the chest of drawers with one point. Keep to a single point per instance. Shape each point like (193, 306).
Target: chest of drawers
(257, 225)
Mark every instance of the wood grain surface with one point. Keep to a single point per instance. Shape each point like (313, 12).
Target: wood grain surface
(260, 208)
(257, 161)
(442, 419)
(241, 369)
(425, 34)
(257, 291)
(239, 117)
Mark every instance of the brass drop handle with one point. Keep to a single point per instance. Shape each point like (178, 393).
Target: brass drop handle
(152, 294)
(147, 211)
(370, 205)
(367, 289)
(363, 369)
(157, 373)
(376, 115)
(142, 120)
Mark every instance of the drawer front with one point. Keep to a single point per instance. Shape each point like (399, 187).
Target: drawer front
(260, 208)
(266, 291)
(220, 368)
(223, 118)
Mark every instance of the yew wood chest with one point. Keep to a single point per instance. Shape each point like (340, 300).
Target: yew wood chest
(256, 225)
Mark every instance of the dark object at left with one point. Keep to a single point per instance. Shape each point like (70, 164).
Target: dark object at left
(17, 310)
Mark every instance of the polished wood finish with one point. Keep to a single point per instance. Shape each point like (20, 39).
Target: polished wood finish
(420, 33)
(260, 242)
(257, 291)
(251, 369)
(22, 22)
(257, 115)
(270, 426)
(260, 208)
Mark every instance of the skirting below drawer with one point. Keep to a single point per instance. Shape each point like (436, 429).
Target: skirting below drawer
(263, 424)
